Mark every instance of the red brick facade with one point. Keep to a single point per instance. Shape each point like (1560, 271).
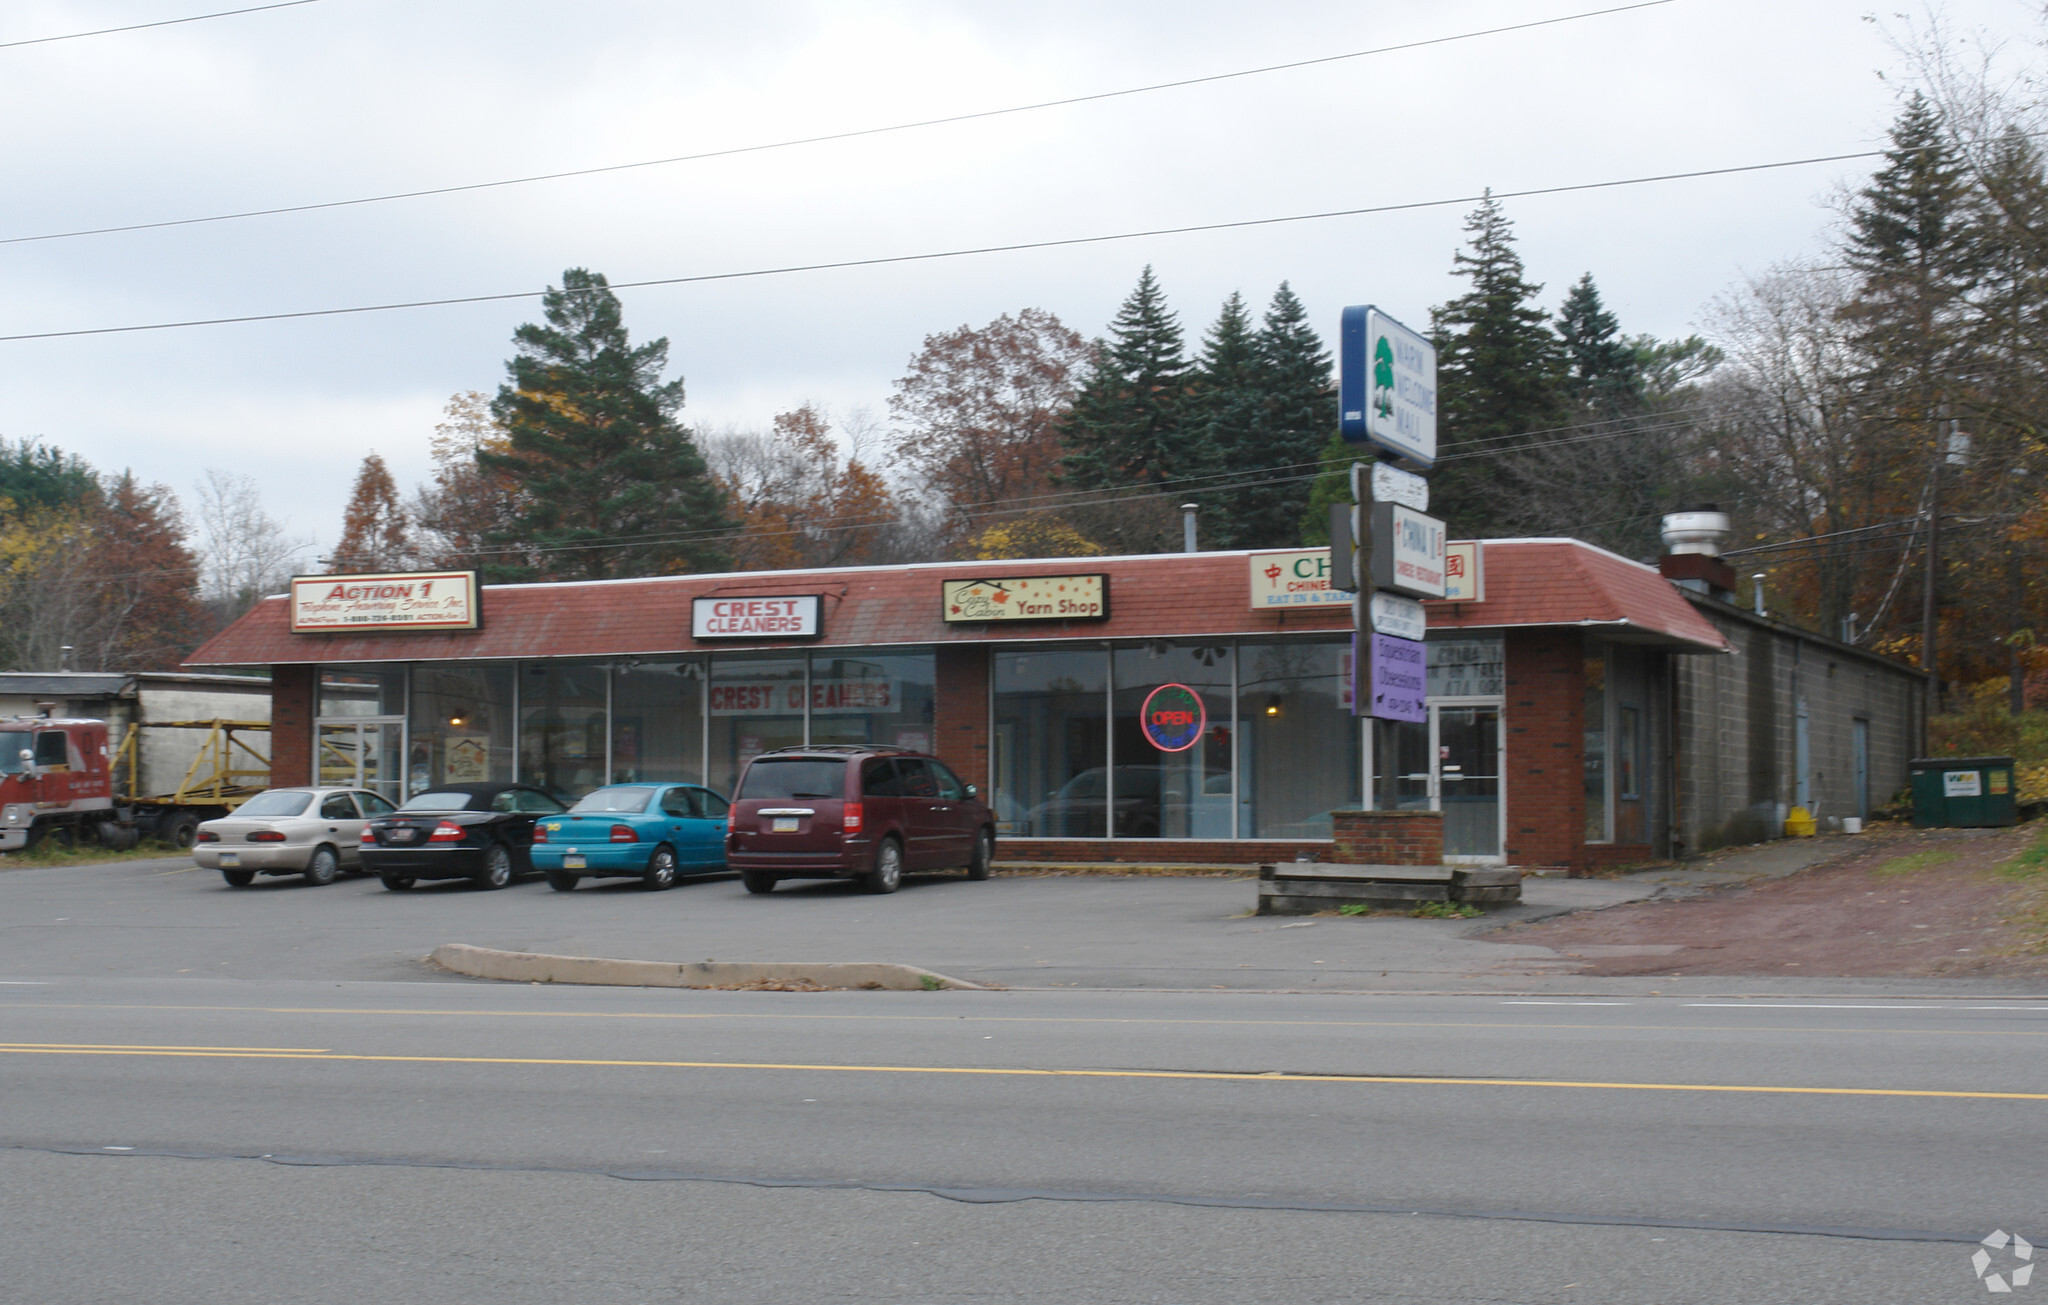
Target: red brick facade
(293, 702)
(960, 688)
(1388, 838)
(1544, 775)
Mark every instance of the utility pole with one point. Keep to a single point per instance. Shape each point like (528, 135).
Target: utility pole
(1928, 593)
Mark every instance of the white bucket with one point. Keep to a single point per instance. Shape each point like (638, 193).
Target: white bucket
(1852, 824)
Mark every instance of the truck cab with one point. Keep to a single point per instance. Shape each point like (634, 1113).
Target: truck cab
(52, 772)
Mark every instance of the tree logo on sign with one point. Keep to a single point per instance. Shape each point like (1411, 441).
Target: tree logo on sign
(1173, 717)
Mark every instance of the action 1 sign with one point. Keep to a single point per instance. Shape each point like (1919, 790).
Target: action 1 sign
(1386, 386)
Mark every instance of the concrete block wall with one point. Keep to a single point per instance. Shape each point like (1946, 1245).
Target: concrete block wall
(1164, 851)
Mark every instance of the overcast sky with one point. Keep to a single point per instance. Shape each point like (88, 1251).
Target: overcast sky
(342, 98)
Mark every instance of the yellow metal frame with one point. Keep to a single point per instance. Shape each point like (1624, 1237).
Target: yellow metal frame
(213, 778)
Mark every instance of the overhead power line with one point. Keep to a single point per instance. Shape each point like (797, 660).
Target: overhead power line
(162, 22)
(1017, 247)
(808, 140)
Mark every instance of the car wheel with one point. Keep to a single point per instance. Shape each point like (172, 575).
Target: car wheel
(661, 870)
(887, 876)
(117, 837)
(180, 830)
(497, 871)
(396, 883)
(757, 883)
(984, 855)
(239, 878)
(562, 883)
(323, 867)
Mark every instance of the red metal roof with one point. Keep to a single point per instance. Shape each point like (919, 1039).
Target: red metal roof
(1165, 595)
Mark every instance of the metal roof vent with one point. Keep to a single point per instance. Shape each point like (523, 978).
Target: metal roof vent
(1701, 528)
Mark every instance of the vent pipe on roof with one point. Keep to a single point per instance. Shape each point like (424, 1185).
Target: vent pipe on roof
(1187, 528)
(1692, 559)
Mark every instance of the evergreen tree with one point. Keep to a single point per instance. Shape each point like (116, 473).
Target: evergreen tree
(1125, 429)
(1297, 415)
(615, 487)
(1602, 371)
(1225, 408)
(1498, 368)
(376, 530)
(34, 475)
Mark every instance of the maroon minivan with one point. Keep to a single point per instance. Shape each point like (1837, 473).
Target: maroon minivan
(866, 813)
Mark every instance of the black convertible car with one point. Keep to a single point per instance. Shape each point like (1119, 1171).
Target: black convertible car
(479, 832)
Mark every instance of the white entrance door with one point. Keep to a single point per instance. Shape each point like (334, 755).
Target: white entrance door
(362, 752)
(1466, 742)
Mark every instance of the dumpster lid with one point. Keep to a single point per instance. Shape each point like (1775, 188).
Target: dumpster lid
(1958, 763)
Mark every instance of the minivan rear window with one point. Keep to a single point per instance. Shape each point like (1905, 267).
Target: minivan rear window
(794, 777)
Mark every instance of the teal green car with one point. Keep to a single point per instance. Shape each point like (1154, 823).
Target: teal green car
(649, 832)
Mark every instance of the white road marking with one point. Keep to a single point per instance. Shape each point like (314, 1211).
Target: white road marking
(1567, 1003)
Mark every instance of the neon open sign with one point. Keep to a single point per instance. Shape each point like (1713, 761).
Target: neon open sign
(1173, 717)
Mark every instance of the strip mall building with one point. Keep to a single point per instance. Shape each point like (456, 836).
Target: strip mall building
(1583, 709)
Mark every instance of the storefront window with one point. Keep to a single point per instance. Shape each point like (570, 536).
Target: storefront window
(1596, 745)
(877, 698)
(658, 720)
(1051, 747)
(1171, 747)
(562, 734)
(362, 693)
(757, 704)
(460, 726)
(1298, 743)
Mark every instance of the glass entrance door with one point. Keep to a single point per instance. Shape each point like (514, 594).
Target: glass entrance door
(362, 752)
(1466, 742)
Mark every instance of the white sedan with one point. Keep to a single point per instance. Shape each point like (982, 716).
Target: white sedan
(289, 831)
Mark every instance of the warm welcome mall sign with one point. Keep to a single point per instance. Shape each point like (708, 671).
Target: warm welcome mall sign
(413, 600)
(1027, 598)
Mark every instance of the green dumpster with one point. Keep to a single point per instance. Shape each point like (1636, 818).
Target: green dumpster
(1952, 791)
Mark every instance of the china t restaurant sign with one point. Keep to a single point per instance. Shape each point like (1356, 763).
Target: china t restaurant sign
(413, 600)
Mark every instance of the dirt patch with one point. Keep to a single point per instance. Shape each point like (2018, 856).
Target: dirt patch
(1930, 902)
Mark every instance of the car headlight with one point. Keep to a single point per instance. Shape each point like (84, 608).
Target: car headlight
(13, 815)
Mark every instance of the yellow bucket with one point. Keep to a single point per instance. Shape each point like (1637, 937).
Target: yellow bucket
(1798, 824)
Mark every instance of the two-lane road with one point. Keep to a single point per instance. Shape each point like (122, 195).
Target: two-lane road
(360, 1141)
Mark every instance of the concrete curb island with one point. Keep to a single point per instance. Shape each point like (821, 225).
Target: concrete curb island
(536, 967)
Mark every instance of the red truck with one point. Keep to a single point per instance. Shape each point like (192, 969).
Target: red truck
(60, 779)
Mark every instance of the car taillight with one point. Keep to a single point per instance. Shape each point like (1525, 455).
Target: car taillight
(446, 832)
(208, 836)
(266, 836)
(624, 834)
(540, 833)
(369, 835)
(850, 819)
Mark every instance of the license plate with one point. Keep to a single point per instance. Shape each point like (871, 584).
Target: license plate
(785, 825)
(574, 863)
(401, 835)
(231, 858)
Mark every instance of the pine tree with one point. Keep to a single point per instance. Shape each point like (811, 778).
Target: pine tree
(1602, 371)
(1276, 417)
(1498, 367)
(376, 530)
(615, 486)
(1125, 429)
(1225, 408)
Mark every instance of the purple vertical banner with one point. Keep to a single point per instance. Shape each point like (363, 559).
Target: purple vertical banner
(1400, 678)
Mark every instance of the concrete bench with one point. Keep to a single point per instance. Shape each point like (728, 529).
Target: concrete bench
(1304, 888)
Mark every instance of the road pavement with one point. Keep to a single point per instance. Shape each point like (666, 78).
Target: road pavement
(288, 1140)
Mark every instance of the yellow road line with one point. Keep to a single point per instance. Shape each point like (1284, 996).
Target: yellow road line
(125, 1046)
(1002, 1072)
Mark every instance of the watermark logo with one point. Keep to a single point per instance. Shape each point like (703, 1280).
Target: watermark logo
(2004, 1279)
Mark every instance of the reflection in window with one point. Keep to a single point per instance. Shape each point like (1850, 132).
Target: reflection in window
(757, 705)
(562, 736)
(1051, 743)
(1167, 782)
(1628, 757)
(362, 693)
(883, 698)
(1595, 708)
(1298, 742)
(460, 725)
(658, 720)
